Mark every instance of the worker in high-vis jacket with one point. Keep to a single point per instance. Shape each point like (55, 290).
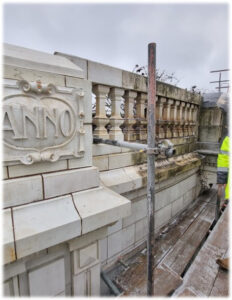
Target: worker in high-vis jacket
(223, 182)
(223, 166)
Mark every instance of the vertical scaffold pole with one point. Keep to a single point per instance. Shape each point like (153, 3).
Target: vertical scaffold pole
(151, 165)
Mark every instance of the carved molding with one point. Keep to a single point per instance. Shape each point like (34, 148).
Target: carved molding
(42, 122)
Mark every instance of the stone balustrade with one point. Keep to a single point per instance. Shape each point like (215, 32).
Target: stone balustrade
(176, 108)
(174, 118)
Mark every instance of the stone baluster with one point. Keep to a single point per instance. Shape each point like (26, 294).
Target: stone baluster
(116, 119)
(174, 118)
(100, 119)
(159, 117)
(181, 119)
(167, 118)
(195, 111)
(191, 119)
(185, 122)
(188, 131)
(141, 122)
(130, 121)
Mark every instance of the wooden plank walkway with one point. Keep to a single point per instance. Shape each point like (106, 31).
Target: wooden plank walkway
(174, 250)
(204, 277)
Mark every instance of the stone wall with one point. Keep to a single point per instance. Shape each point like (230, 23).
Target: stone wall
(71, 207)
(55, 210)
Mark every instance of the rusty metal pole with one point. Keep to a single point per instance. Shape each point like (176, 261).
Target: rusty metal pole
(151, 165)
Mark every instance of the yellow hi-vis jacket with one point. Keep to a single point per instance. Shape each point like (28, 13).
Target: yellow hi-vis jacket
(223, 165)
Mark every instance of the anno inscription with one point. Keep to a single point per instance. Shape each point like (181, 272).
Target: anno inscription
(41, 123)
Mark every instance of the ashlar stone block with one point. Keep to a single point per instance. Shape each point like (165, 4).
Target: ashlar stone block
(22, 190)
(37, 168)
(114, 243)
(162, 216)
(61, 183)
(41, 61)
(103, 249)
(99, 207)
(4, 173)
(88, 255)
(128, 236)
(140, 229)
(101, 162)
(8, 237)
(177, 206)
(48, 280)
(117, 180)
(44, 224)
(87, 283)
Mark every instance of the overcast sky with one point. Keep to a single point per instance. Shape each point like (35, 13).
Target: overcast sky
(192, 39)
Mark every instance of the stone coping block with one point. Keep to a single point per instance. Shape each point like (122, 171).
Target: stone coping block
(44, 224)
(66, 182)
(8, 237)
(104, 74)
(135, 177)
(41, 61)
(99, 207)
(22, 190)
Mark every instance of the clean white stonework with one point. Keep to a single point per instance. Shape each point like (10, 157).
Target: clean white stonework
(44, 224)
(128, 236)
(99, 207)
(41, 61)
(48, 280)
(22, 190)
(114, 243)
(37, 168)
(61, 183)
(88, 255)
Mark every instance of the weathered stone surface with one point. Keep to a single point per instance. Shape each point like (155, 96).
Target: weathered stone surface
(19, 73)
(162, 216)
(22, 190)
(177, 206)
(61, 183)
(125, 159)
(99, 207)
(44, 224)
(41, 61)
(80, 62)
(99, 73)
(101, 149)
(37, 168)
(101, 162)
(8, 238)
(140, 229)
(48, 280)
